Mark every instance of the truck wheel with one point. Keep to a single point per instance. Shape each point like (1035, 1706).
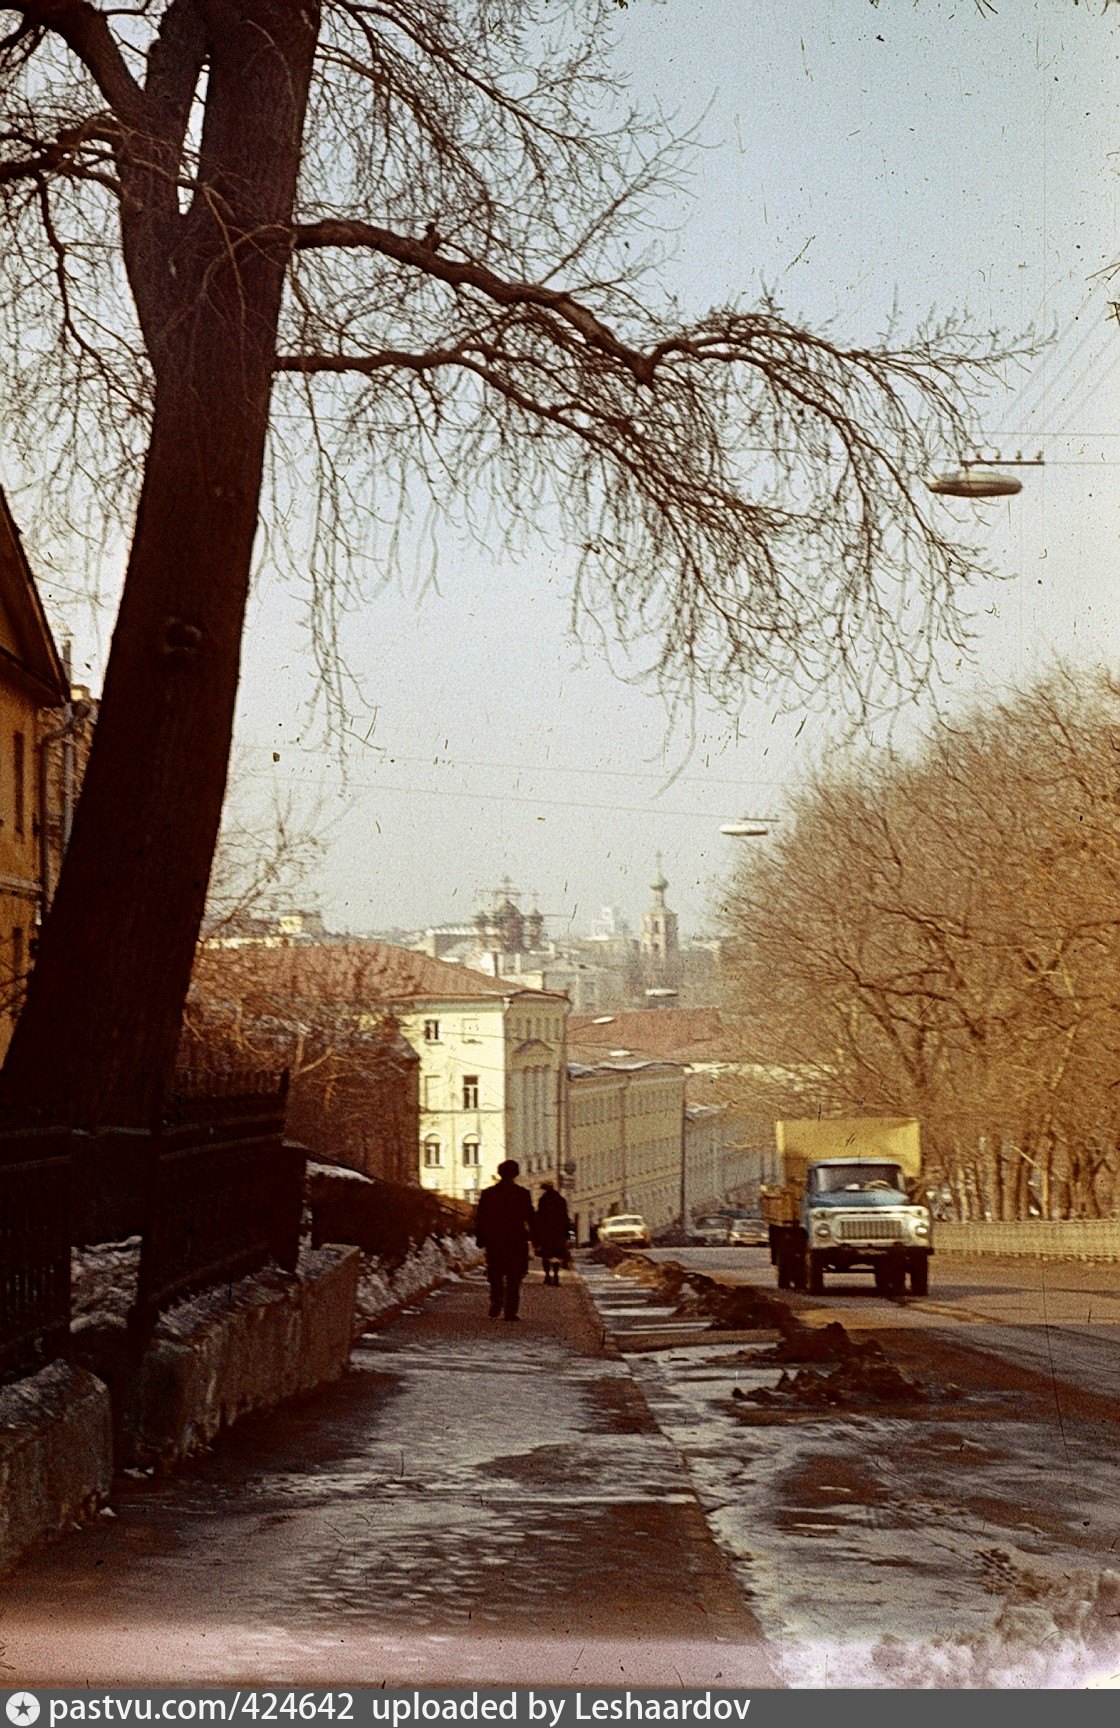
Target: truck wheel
(919, 1274)
(882, 1279)
(814, 1272)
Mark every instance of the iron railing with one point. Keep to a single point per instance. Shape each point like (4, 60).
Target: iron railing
(223, 1196)
(213, 1189)
(35, 1178)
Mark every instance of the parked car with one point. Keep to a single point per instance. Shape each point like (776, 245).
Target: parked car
(627, 1229)
(712, 1231)
(673, 1237)
(747, 1230)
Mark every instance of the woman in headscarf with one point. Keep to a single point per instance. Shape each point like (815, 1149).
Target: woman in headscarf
(551, 1232)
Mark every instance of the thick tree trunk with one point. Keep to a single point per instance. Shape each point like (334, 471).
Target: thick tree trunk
(98, 1034)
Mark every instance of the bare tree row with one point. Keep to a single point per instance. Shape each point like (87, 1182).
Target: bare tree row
(940, 936)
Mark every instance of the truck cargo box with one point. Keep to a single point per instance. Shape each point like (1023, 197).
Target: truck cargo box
(809, 1140)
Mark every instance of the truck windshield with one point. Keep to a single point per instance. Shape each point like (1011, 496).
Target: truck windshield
(835, 1178)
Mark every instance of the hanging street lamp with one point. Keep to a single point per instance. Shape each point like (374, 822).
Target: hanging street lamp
(977, 478)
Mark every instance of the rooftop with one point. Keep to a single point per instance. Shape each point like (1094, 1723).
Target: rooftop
(363, 972)
(688, 1035)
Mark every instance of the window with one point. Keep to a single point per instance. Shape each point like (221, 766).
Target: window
(836, 1178)
(431, 1092)
(431, 1031)
(433, 1154)
(19, 781)
(470, 1091)
(19, 967)
(471, 1154)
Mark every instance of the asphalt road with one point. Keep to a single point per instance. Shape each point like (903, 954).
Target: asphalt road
(1058, 1318)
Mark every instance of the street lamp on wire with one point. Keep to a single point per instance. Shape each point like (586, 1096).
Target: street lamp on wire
(977, 478)
(746, 828)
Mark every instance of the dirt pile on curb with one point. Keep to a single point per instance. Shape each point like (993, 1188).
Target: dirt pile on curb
(809, 1344)
(864, 1378)
(829, 1369)
(693, 1295)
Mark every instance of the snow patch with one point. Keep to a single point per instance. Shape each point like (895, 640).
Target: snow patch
(383, 1290)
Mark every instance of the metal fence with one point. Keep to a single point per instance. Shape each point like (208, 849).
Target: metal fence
(1041, 1238)
(223, 1196)
(213, 1189)
(35, 1177)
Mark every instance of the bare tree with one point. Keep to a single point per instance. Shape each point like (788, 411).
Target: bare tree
(941, 936)
(261, 862)
(402, 246)
(318, 1011)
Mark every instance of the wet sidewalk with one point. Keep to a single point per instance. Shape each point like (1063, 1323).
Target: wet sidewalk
(475, 1502)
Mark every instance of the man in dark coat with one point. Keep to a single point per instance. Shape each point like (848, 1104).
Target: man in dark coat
(503, 1228)
(552, 1232)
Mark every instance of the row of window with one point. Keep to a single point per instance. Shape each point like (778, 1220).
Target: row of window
(433, 1154)
(604, 1107)
(601, 1169)
(544, 1027)
(534, 1028)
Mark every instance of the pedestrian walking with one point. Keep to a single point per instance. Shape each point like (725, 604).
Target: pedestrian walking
(551, 1232)
(503, 1229)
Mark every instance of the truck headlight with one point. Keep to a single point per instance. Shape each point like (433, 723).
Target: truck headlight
(921, 1227)
(821, 1229)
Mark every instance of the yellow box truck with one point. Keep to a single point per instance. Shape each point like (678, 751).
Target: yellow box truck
(843, 1203)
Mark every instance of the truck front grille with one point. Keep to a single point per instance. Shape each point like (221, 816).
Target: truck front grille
(871, 1229)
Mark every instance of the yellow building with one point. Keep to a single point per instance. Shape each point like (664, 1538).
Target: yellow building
(32, 679)
(491, 1081)
(492, 1065)
(626, 1122)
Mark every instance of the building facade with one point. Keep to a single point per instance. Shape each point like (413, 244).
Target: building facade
(492, 1079)
(33, 688)
(484, 1060)
(625, 1142)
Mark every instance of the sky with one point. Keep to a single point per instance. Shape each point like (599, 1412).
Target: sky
(856, 157)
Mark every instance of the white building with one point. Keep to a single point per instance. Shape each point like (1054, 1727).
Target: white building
(492, 1073)
(660, 942)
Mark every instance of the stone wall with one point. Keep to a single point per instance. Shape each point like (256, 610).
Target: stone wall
(56, 1455)
(210, 1361)
(233, 1351)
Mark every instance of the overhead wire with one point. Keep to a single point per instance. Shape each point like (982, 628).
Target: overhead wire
(438, 760)
(474, 796)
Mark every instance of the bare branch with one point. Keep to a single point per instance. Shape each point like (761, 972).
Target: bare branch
(85, 30)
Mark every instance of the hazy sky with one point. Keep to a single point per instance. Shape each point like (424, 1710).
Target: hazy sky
(856, 155)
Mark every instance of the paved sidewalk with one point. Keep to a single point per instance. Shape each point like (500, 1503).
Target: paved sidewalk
(476, 1502)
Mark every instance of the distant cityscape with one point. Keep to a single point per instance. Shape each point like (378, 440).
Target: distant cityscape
(610, 970)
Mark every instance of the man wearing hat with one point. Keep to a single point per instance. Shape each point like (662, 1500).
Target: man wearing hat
(503, 1228)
